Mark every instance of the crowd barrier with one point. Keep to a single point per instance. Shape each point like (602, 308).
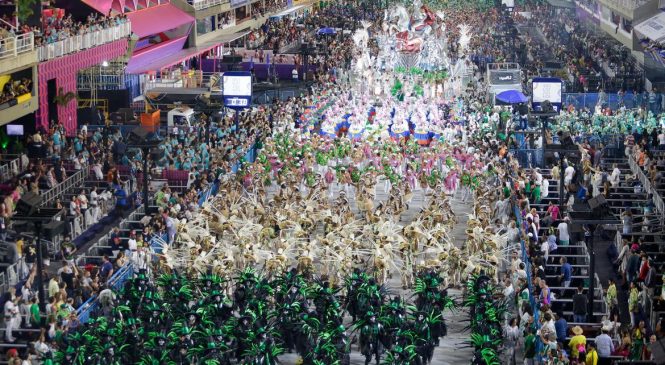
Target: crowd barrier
(11, 169)
(13, 274)
(590, 100)
(657, 199)
(75, 180)
(14, 46)
(83, 41)
(117, 280)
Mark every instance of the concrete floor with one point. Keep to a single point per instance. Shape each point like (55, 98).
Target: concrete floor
(452, 348)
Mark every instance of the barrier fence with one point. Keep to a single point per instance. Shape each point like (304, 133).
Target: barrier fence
(75, 180)
(83, 41)
(13, 274)
(14, 46)
(657, 199)
(115, 283)
(11, 169)
(204, 4)
(118, 279)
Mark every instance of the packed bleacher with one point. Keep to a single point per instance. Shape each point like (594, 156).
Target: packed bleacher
(12, 90)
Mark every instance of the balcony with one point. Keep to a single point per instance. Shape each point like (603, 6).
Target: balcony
(23, 105)
(81, 42)
(17, 52)
(632, 9)
(205, 4)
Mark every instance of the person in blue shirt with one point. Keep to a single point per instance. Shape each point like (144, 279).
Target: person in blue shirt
(561, 327)
(78, 145)
(57, 140)
(566, 272)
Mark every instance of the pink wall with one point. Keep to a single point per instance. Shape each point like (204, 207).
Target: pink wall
(64, 70)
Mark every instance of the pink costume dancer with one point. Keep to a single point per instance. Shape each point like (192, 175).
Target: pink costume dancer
(367, 151)
(451, 182)
(330, 177)
(411, 179)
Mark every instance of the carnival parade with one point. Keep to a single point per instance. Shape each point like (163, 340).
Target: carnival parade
(385, 182)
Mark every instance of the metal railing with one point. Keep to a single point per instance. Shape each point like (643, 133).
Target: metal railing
(115, 283)
(81, 223)
(648, 187)
(94, 249)
(83, 41)
(184, 79)
(14, 46)
(75, 180)
(11, 169)
(204, 4)
(13, 274)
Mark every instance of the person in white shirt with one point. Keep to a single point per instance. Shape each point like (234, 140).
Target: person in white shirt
(94, 205)
(73, 207)
(83, 201)
(661, 140)
(10, 314)
(615, 177)
(545, 249)
(545, 189)
(538, 177)
(564, 236)
(132, 246)
(568, 174)
(97, 169)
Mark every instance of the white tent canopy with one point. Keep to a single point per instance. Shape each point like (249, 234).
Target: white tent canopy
(653, 28)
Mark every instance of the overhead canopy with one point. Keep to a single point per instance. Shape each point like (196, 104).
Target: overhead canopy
(653, 28)
(287, 12)
(512, 97)
(157, 19)
(182, 55)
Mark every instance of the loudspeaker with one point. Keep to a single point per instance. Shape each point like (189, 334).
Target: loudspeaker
(53, 228)
(117, 118)
(597, 202)
(231, 59)
(156, 154)
(119, 148)
(138, 136)
(28, 204)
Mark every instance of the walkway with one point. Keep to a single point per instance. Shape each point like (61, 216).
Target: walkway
(450, 350)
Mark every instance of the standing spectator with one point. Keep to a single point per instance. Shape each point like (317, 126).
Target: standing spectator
(633, 303)
(627, 221)
(577, 342)
(529, 346)
(591, 354)
(35, 316)
(11, 315)
(561, 326)
(511, 337)
(552, 214)
(633, 265)
(611, 295)
(644, 268)
(604, 343)
(564, 237)
(106, 271)
(579, 306)
(545, 295)
(115, 241)
(566, 272)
